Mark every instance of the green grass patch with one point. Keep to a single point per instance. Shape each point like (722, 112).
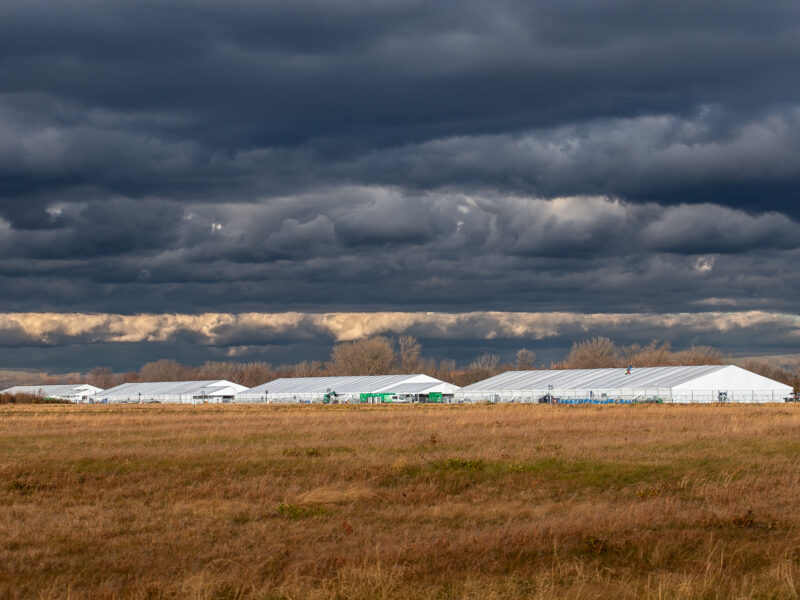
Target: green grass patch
(454, 464)
(292, 511)
(455, 475)
(593, 473)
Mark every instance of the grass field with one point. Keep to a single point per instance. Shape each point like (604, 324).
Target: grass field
(479, 502)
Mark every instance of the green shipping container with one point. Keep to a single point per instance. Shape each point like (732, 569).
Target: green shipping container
(376, 397)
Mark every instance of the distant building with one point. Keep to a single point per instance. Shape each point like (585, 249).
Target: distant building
(81, 392)
(172, 392)
(366, 389)
(715, 383)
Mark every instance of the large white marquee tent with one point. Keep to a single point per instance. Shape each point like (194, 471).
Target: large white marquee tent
(715, 383)
(81, 392)
(172, 392)
(397, 388)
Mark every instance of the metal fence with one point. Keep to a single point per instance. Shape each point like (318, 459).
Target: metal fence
(318, 398)
(552, 396)
(301, 398)
(160, 399)
(620, 396)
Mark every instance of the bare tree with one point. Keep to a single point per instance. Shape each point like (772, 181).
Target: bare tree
(446, 370)
(596, 353)
(486, 361)
(166, 370)
(256, 373)
(312, 368)
(655, 354)
(700, 355)
(102, 377)
(372, 356)
(483, 367)
(525, 359)
(410, 351)
(228, 370)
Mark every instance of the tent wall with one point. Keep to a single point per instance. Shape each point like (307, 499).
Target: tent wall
(704, 384)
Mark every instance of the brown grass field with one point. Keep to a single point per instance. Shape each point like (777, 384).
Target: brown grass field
(239, 502)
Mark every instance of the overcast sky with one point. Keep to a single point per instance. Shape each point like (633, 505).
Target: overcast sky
(244, 173)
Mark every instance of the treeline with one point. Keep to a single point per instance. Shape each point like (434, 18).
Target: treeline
(373, 356)
(384, 356)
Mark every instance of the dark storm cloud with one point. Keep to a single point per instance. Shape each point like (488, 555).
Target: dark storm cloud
(344, 67)
(659, 157)
(339, 250)
(392, 220)
(455, 155)
(251, 97)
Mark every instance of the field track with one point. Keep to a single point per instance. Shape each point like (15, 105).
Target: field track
(506, 501)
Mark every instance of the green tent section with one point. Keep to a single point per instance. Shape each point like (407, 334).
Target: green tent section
(375, 398)
(347, 389)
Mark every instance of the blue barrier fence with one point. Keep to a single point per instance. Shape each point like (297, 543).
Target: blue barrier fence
(605, 401)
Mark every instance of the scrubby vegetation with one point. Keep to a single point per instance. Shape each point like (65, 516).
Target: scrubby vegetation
(503, 501)
(29, 399)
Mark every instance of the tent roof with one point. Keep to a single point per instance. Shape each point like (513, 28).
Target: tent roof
(413, 388)
(56, 390)
(640, 377)
(170, 388)
(341, 385)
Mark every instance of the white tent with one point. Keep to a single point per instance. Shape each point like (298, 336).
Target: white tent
(395, 388)
(172, 392)
(715, 383)
(80, 392)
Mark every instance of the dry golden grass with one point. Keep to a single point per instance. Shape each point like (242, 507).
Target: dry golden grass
(235, 502)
